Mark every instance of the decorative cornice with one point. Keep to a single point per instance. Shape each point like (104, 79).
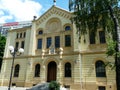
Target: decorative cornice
(19, 29)
(93, 52)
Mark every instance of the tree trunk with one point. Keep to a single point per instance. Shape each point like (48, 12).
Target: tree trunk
(116, 35)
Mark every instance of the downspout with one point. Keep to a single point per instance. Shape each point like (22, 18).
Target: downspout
(80, 60)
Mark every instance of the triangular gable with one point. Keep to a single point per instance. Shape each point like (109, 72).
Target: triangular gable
(51, 11)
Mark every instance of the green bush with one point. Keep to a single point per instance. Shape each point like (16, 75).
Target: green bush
(54, 85)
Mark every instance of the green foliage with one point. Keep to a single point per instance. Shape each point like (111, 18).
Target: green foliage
(2, 47)
(89, 15)
(54, 85)
(110, 65)
(111, 47)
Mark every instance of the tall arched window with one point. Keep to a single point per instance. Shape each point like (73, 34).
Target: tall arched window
(67, 69)
(100, 69)
(16, 70)
(37, 70)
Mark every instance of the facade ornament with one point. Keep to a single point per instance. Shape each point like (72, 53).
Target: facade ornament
(53, 51)
(43, 53)
(54, 1)
(61, 52)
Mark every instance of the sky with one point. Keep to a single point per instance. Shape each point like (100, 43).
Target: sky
(24, 10)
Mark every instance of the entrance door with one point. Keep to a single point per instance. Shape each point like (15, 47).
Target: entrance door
(51, 76)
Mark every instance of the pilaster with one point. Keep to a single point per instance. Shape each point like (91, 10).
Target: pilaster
(32, 43)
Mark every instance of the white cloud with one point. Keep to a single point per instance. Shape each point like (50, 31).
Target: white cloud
(1, 13)
(4, 18)
(19, 10)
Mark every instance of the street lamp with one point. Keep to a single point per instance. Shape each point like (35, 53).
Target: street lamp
(14, 52)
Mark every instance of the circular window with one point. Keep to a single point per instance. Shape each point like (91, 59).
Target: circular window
(67, 28)
(40, 32)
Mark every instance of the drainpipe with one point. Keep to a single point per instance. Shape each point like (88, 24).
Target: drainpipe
(80, 59)
(80, 62)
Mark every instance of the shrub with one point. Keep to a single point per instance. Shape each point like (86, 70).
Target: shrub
(54, 85)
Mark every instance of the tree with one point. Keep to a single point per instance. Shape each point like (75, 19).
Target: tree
(2, 47)
(89, 15)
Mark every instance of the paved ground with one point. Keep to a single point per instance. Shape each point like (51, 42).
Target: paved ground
(21, 88)
(12, 88)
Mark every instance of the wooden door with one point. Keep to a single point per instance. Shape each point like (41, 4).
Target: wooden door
(52, 70)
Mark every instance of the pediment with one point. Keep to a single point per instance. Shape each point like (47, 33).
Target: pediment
(56, 11)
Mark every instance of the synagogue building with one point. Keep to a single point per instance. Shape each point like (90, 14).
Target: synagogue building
(52, 53)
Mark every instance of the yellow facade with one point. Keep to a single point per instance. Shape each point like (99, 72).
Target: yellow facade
(81, 56)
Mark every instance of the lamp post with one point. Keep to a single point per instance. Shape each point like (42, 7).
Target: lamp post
(13, 52)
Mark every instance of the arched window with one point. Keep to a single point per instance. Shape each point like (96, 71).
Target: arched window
(40, 32)
(67, 69)
(100, 69)
(67, 28)
(16, 70)
(37, 70)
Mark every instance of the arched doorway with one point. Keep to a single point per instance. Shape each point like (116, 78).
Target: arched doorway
(52, 70)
